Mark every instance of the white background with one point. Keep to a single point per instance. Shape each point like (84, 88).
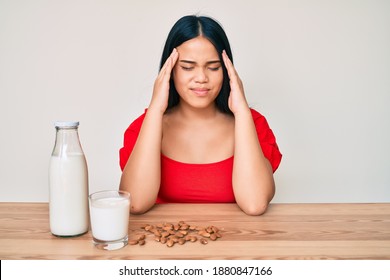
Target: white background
(280, 269)
(318, 70)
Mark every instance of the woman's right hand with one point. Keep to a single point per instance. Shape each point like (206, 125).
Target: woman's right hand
(161, 85)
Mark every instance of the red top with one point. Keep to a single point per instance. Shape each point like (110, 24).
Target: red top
(210, 182)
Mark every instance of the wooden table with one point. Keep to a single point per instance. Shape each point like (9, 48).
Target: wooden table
(286, 231)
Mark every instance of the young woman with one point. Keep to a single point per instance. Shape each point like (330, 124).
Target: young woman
(199, 141)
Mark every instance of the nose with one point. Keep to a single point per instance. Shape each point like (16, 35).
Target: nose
(201, 76)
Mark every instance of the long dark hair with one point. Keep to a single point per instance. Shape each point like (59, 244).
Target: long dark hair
(190, 27)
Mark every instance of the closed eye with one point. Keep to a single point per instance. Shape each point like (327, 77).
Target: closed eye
(187, 68)
(215, 68)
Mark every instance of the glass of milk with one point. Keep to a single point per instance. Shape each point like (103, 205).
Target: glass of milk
(109, 212)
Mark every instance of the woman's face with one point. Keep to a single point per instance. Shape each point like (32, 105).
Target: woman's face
(198, 73)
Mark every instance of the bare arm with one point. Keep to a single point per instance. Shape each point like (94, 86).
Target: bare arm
(142, 173)
(253, 182)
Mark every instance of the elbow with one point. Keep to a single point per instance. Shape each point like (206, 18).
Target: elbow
(136, 207)
(255, 209)
(256, 205)
(136, 210)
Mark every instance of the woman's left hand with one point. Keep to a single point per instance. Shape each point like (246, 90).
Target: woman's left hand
(237, 101)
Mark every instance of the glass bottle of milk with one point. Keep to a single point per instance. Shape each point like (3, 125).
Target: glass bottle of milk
(68, 183)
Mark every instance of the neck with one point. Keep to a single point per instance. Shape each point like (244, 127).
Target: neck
(197, 114)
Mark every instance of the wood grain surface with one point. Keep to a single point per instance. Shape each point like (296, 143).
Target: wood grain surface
(286, 231)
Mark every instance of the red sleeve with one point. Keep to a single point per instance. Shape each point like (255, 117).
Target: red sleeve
(267, 140)
(130, 137)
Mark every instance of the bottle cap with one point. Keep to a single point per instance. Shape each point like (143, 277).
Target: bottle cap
(66, 124)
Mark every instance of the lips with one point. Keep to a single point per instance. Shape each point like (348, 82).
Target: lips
(200, 91)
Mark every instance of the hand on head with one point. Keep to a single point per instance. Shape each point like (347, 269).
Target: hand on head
(237, 101)
(161, 85)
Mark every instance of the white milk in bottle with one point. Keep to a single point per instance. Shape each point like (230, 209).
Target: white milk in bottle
(68, 183)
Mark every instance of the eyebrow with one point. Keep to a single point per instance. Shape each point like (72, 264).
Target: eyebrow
(193, 62)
